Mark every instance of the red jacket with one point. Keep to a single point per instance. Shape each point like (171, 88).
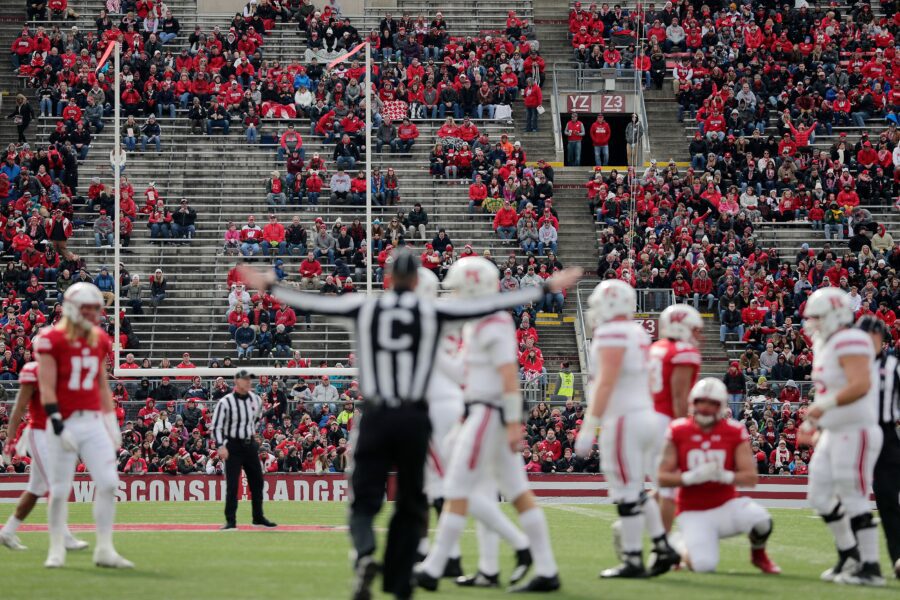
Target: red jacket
(533, 96)
(310, 268)
(506, 217)
(600, 133)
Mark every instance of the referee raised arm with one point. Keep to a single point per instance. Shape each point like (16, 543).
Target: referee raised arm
(234, 425)
(397, 335)
(886, 481)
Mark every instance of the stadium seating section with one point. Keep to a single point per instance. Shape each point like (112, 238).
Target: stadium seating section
(242, 145)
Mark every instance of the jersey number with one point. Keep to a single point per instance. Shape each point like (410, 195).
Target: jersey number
(697, 457)
(84, 372)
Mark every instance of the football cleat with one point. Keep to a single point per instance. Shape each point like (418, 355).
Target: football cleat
(425, 581)
(366, 569)
(847, 562)
(479, 579)
(631, 568)
(662, 561)
(229, 526)
(453, 569)
(761, 561)
(868, 573)
(56, 558)
(74, 544)
(111, 559)
(538, 583)
(12, 542)
(523, 564)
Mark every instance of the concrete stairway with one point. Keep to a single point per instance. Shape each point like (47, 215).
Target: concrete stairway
(666, 140)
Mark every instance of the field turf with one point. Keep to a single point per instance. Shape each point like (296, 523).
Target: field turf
(313, 564)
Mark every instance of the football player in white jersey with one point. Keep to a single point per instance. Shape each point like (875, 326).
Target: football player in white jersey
(446, 408)
(845, 412)
(489, 440)
(630, 443)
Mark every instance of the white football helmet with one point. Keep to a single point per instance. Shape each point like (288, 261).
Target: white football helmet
(473, 277)
(428, 285)
(709, 388)
(827, 310)
(680, 322)
(78, 295)
(611, 298)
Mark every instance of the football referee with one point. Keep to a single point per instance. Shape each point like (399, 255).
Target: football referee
(234, 425)
(886, 482)
(397, 334)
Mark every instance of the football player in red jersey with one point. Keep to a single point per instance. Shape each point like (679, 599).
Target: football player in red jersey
(76, 397)
(674, 367)
(33, 441)
(706, 457)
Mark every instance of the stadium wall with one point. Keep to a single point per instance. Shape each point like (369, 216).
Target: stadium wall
(774, 492)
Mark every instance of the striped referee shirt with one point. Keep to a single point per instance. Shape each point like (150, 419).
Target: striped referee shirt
(889, 390)
(397, 334)
(236, 418)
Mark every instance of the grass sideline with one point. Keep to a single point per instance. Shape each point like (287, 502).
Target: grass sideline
(271, 564)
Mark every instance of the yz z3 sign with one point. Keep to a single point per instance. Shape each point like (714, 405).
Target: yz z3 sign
(595, 103)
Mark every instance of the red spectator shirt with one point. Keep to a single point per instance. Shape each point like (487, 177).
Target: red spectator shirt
(600, 133)
(695, 447)
(665, 356)
(78, 368)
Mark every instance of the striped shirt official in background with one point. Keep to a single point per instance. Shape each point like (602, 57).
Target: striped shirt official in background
(234, 425)
(886, 481)
(397, 335)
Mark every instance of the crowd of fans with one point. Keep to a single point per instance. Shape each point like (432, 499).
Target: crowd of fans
(693, 232)
(696, 232)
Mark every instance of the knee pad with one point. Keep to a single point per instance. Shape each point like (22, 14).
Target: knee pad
(836, 514)
(628, 509)
(863, 521)
(758, 537)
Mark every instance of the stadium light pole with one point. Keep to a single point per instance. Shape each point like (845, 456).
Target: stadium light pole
(369, 264)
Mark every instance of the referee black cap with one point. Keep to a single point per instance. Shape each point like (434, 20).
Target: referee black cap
(404, 267)
(243, 374)
(872, 324)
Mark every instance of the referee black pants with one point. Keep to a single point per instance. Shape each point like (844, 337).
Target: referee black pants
(391, 439)
(243, 455)
(886, 485)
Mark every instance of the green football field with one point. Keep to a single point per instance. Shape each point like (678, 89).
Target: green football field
(175, 564)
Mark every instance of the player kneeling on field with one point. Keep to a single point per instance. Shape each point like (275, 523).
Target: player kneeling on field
(706, 457)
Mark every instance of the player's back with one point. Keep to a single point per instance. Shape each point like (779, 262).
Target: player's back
(828, 377)
(78, 367)
(29, 376)
(696, 446)
(488, 343)
(665, 356)
(632, 391)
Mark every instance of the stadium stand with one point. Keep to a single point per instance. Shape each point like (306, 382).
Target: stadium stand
(227, 176)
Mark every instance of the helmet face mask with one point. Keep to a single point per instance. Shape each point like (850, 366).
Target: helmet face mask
(82, 304)
(827, 311)
(709, 401)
